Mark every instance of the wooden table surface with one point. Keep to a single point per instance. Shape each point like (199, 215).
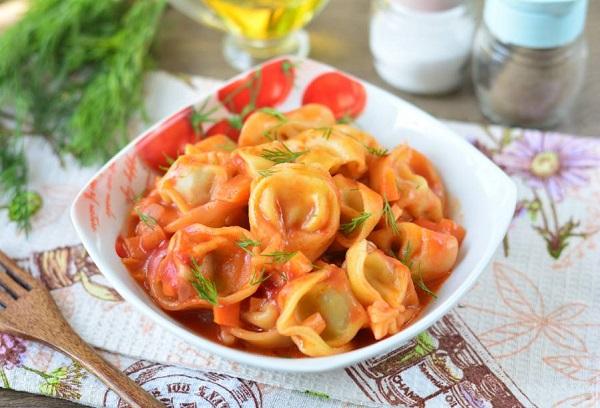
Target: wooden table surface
(339, 37)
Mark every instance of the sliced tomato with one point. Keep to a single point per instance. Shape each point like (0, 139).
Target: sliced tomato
(167, 141)
(269, 85)
(229, 127)
(343, 95)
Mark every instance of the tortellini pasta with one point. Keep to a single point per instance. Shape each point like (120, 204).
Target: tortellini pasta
(304, 237)
(383, 285)
(407, 178)
(296, 208)
(319, 312)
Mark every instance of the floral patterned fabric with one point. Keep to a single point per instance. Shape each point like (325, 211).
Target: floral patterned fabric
(526, 334)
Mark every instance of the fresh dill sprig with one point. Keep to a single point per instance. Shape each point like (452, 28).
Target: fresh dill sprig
(284, 155)
(406, 254)
(247, 243)
(422, 285)
(21, 203)
(281, 257)
(205, 288)
(148, 220)
(79, 81)
(275, 113)
(345, 120)
(377, 151)
(327, 131)
(266, 172)
(354, 223)
(259, 278)
(390, 219)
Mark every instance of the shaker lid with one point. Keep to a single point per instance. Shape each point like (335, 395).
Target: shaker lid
(535, 23)
(428, 6)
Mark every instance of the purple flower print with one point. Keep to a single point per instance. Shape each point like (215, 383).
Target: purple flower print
(11, 351)
(549, 161)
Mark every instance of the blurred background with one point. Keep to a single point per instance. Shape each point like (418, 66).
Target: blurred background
(339, 36)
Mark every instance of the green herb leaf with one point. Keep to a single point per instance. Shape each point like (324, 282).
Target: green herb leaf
(205, 288)
(326, 132)
(406, 254)
(422, 285)
(390, 219)
(317, 394)
(284, 155)
(23, 206)
(375, 151)
(275, 113)
(345, 120)
(146, 219)
(247, 243)
(281, 257)
(235, 121)
(259, 278)
(266, 172)
(200, 116)
(354, 223)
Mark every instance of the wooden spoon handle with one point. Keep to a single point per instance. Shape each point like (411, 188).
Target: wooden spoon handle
(120, 383)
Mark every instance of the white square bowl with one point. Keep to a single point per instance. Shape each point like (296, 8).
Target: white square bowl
(485, 201)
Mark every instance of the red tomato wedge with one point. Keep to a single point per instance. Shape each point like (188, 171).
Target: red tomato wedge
(343, 95)
(167, 141)
(229, 127)
(269, 86)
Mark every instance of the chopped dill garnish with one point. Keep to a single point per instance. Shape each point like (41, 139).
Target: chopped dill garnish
(259, 278)
(284, 155)
(149, 220)
(138, 196)
(235, 121)
(205, 288)
(168, 159)
(390, 219)
(275, 113)
(266, 172)
(422, 285)
(406, 254)
(345, 120)
(377, 151)
(354, 223)
(317, 394)
(327, 131)
(281, 257)
(246, 243)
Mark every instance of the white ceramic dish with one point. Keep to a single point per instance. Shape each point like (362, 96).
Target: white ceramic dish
(486, 200)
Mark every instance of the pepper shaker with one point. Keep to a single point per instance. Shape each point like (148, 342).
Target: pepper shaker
(422, 46)
(529, 60)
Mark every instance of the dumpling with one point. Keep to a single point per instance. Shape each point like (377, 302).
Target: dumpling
(360, 210)
(264, 126)
(408, 178)
(383, 285)
(319, 312)
(429, 254)
(334, 151)
(208, 188)
(216, 143)
(256, 159)
(295, 208)
(192, 179)
(226, 269)
(262, 314)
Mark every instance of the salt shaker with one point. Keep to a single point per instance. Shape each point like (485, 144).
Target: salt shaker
(422, 46)
(529, 60)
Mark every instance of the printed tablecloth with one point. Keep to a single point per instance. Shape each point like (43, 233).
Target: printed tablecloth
(526, 335)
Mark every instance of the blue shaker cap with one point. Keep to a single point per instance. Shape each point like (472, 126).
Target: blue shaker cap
(535, 23)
